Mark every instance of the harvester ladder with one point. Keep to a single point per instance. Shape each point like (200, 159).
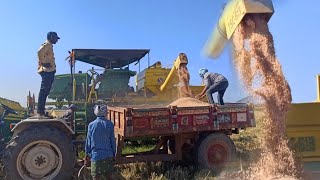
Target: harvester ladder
(80, 119)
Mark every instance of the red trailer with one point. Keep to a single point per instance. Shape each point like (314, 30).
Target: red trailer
(199, 133)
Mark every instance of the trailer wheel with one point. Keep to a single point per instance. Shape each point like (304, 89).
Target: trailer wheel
(215, 151)
(39, 152)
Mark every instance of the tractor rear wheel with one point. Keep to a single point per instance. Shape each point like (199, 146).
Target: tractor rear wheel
(215, 151)
(39, 152)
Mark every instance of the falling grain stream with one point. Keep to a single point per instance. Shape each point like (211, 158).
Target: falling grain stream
(258, 67)
(184, 78)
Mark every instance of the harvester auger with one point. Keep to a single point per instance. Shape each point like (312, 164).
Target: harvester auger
(233, 14)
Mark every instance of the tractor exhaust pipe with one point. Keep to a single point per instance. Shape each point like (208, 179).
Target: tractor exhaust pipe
(231, 17)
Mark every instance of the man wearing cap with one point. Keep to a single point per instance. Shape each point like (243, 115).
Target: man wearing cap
(100, 145)
(214, 82)
(46, 69)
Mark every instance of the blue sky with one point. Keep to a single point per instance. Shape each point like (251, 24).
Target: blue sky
(166, 27)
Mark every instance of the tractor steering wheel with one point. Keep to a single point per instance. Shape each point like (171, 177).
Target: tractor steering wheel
(8, 109)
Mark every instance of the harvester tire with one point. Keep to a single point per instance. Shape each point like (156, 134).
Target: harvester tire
(39, 152)
(215, 151)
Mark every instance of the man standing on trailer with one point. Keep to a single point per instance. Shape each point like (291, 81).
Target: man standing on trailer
(46, 69)
(214, 82)
(100, 145)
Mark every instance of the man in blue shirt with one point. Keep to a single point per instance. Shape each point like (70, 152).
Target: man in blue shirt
(214, 82)
(100, 144)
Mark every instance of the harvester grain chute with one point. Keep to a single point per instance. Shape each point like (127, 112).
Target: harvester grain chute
(181, 60)
(233, 13)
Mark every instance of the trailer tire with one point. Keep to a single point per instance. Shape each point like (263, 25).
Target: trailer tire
(215, 151)
(39, 152)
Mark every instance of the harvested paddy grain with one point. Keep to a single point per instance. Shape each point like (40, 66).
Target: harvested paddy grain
(188, 102)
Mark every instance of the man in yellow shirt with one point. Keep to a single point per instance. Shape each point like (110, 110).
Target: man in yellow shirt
(47, 69)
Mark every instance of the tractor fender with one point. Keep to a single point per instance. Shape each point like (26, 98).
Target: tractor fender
(26, 123)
